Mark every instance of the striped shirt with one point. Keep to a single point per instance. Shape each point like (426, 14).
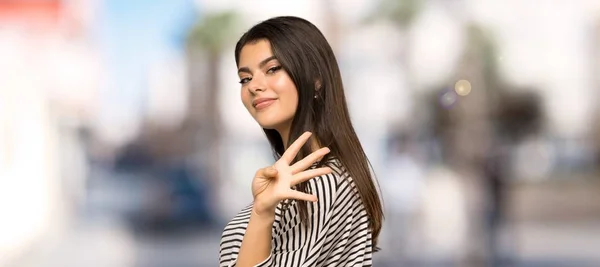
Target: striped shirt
(336, 232)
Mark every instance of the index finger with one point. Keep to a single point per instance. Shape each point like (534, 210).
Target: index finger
(292, 151)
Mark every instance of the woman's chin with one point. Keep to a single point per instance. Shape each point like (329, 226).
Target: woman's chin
(269, 125)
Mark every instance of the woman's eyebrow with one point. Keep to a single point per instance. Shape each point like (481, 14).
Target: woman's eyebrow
(261, 64)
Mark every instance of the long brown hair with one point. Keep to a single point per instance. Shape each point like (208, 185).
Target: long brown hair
(307, 57)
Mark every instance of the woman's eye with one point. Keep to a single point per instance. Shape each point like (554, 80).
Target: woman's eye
(274, 69)
(244, 80)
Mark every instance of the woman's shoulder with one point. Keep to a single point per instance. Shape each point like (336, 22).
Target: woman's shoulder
(338, 180)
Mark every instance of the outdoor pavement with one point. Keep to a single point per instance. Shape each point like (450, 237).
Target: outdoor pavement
(545, 239)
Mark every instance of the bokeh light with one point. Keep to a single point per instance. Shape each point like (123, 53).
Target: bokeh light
(462, 87)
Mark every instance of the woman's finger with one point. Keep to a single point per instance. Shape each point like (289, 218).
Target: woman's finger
(290, 153)
(306, 162)
(293, 194)
(309, 174)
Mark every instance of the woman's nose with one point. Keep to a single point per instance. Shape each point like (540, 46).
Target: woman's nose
(257, 84)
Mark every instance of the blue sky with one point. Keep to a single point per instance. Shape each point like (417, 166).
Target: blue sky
(131, 35)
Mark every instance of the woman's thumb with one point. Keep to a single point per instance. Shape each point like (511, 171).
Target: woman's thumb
(271, 171)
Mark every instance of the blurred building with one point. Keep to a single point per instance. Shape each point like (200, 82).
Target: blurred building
(30, 200)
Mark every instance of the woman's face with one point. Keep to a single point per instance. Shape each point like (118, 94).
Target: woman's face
(267, 92)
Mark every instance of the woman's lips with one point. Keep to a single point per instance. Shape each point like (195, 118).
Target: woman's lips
(264, 104)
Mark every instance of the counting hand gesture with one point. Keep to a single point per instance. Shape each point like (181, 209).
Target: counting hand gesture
(274, 184)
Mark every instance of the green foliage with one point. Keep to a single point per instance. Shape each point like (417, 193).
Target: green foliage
(214, 31)
(400, 12)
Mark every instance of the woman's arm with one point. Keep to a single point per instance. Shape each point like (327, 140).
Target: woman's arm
(337, 231)
(270, 186)
(256, 245)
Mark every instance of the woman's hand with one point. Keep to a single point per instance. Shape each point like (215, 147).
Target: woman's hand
(274, 184)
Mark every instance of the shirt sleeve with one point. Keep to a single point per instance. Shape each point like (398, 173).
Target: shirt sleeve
(337, 232)
(346, 232)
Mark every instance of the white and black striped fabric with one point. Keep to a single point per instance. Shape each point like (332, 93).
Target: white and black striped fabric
(336, 233)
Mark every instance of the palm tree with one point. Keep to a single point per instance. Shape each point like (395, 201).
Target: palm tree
(477, 129)
(206, 43)
(462, 126)
(596, 84)
(401, 14)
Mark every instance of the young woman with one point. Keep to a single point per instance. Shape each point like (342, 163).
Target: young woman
(318, 204)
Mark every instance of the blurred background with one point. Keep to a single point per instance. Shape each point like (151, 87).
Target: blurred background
(123, 140)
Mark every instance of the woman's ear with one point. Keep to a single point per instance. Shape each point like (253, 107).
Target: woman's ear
(317, 88)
